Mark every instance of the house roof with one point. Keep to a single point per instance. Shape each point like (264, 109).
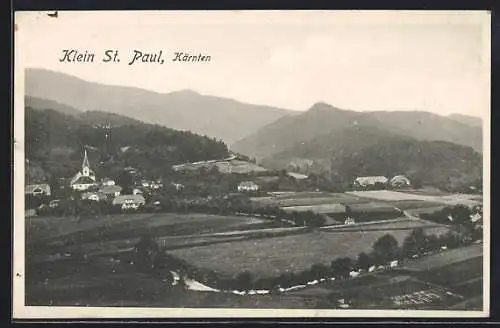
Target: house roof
(247, 184)
(110, 189)
(31, 188)
(371, 179)
(100, 195)
(297, 176)
(122, 198)
(399, 177)
(83, 180)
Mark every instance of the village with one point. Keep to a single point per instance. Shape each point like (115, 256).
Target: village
(258, 204)
(249, 180)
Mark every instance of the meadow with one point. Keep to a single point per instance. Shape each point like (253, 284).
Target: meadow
(390, 196)
(274, 256)
(47, 237)
(285, 199)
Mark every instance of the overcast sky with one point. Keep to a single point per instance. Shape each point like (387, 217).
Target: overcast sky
(362, 61)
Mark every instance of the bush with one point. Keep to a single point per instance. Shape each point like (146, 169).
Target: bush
(341, 267)
(364, 261)
(385, 249)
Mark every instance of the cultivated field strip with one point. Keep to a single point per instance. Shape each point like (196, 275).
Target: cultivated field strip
(273, 256)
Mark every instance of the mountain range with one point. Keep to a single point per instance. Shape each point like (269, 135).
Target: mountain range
(426, 146)
(258, 131)
(324, 119)
(222, 118)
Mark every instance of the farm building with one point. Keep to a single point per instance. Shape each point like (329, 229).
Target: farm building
(224, 167)
(108, 182)
(137, 191)
(130, 169)
(129, 201)
(297, 176)
(111, 191)
(94, 196)
(476, 217)
(42, 189)
(370, 181)
(177, 186)
(85, 178)
(248, 186)
(349, 220)
(400, 181)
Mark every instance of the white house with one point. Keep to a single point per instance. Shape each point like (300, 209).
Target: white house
(129, 201)
(400, 181)
(297, 176)
(350, 221)
(108, 182)
(85, 178)
(94, 196)
(248, 186)
(42, 189)
(137, 191)
(111, 191)
(178, 186)
(370, 181)
(475, 217)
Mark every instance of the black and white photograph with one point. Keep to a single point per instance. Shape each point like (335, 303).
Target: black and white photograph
(251, 164)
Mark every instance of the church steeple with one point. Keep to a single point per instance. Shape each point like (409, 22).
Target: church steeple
(85, 165)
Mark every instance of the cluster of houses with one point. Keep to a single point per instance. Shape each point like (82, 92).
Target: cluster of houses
(397, 181)
(85, 181)
(90, 188)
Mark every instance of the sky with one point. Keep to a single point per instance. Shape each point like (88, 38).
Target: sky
(432, 61)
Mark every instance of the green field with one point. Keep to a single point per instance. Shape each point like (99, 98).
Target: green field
(414, 204)
(373, 203)
(307, 198)
(273, 256)
(394, 196)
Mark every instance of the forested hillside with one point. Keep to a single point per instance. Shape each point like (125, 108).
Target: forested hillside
(323, 118)
(55, 144)
(366, 150)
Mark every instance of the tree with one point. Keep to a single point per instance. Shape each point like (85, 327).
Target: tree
(461, 215)
(450, 239)
(364, 261)
(416, 183)
(147, 251)
(286, 279)
(318, 271)
(341, 267)
(244, 280)
(477, 233)
(126, 181)
(431, 243)
(385, 249)
(414, 243)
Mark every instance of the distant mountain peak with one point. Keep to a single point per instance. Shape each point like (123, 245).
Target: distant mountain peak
(322, 106)
(185, 92)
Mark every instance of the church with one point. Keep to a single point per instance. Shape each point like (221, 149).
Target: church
(85, 178)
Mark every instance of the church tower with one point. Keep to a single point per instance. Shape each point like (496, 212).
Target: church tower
(85, 165)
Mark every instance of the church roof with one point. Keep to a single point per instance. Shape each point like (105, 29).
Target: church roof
(85, 160)
(84, 180)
